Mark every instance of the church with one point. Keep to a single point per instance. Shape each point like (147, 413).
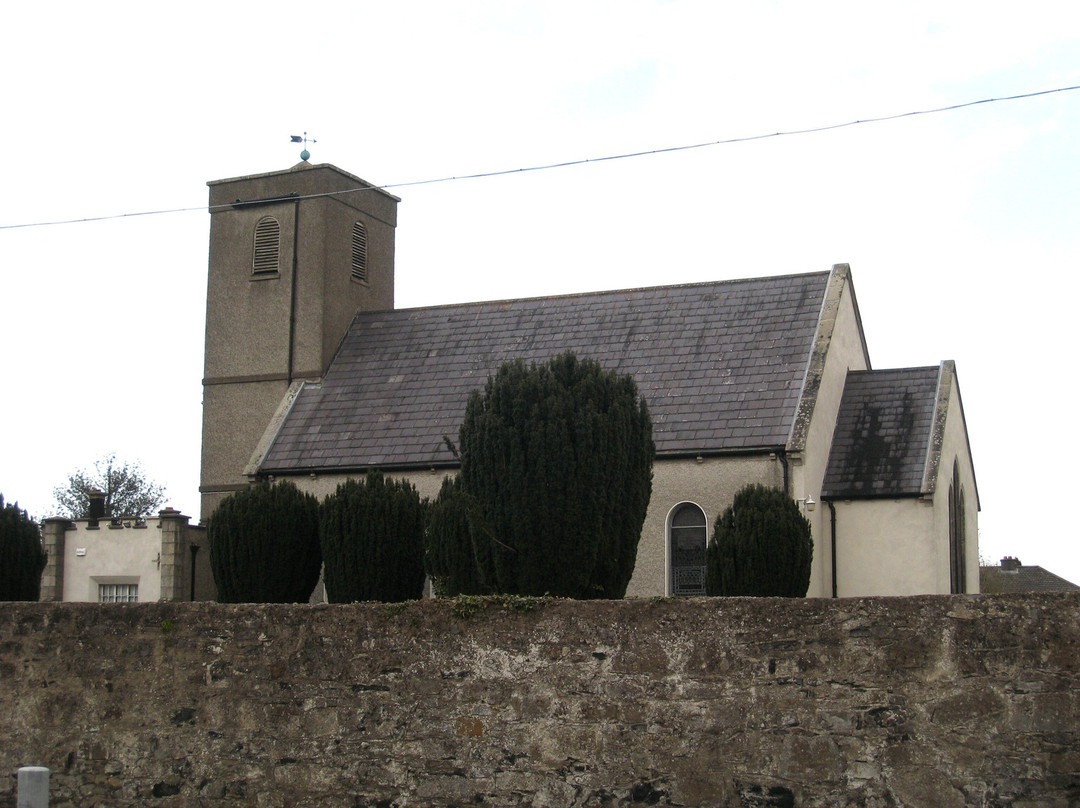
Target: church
(312, 375)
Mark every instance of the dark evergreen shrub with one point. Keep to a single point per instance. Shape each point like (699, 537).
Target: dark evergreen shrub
(448, 550)
(264, 545)
(372, 541)
(761, 546)
(22, 558)
(557, 459)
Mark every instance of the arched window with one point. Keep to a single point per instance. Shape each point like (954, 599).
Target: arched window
(957, 542)
(267, 246)
(359, 251)
(686, 549)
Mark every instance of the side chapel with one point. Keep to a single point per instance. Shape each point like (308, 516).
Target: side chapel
(312, 375)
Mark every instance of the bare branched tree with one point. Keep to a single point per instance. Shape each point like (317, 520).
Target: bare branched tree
(128, 491)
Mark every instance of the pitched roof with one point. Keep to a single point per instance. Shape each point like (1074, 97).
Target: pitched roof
(883, 433)
(720, 364)
(1022, 579)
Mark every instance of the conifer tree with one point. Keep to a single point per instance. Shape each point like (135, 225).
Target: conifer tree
(371, 532)
(22, 558)
(448, 550)
(761, 546)
(557, 459)
(264, 545)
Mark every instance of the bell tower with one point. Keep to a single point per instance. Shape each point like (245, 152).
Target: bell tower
(293, 256)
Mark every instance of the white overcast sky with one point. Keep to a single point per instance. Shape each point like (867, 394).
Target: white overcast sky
(961, 227)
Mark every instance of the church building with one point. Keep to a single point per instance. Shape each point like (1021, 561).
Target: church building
(313, 376)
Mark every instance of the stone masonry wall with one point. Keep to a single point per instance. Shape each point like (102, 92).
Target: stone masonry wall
(924, 701)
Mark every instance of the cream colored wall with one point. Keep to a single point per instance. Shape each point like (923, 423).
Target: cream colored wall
(846, 352)
(955, 450)
(887, 547)
(113, 555)
(323, 485)
(710, 483)
(901, 547)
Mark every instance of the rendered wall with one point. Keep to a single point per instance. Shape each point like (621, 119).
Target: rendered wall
(908, 563)
(915, 558)
(711, 483)
(263, 331)
(105, 554)
(926, 701)
(155, 553)
(846, 351)
(955, 452)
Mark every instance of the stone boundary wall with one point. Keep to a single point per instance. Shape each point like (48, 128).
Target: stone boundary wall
(923, 701)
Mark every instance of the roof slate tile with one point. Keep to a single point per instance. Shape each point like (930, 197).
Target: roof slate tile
(720, 364)
(882, 433)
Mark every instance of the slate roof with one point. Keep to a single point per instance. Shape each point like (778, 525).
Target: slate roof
(720, 364)
(1023, 579)
(883, 432)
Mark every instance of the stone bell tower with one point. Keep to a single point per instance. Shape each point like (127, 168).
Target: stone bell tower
(293, 256)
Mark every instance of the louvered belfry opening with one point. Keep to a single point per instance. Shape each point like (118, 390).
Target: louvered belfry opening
(359, 252)
(267, 246)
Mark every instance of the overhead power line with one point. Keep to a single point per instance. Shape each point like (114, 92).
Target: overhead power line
(568, 163)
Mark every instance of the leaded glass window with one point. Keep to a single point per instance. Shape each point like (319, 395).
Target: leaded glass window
(687, 538)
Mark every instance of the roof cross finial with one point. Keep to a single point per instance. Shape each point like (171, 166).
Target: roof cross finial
(305, 154)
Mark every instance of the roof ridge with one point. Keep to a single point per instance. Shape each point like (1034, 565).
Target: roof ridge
(599, 292)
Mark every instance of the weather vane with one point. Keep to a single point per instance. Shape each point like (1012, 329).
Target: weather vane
(305, 154)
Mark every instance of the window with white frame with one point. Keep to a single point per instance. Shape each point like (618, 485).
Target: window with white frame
(118, 593)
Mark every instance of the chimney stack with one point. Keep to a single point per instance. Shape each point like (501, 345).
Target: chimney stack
(1010, 564)
(97, 504)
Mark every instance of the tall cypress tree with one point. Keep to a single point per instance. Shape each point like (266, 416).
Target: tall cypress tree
(449, 558)
(264, 545)
(372, 541)
(761, 546)
(22, 558)
(558, 461)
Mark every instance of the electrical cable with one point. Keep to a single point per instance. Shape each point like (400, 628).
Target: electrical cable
(568, 163)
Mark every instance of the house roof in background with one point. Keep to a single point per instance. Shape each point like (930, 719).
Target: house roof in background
(720, 364)
(1022, 579)
(883, 433)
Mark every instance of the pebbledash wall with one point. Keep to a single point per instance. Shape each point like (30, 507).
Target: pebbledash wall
(920, 701)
